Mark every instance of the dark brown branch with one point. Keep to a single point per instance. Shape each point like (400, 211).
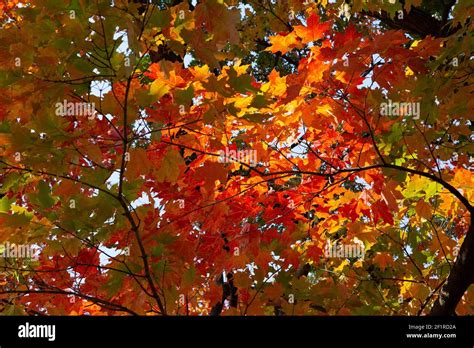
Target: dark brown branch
(459, 279)
(99, 301)
(229, 292)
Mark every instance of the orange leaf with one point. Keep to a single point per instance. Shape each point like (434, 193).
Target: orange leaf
(313, 31)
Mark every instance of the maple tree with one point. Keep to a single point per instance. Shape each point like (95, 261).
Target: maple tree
(148, 204)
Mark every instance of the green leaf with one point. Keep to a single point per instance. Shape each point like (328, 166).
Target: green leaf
(160, 19)
(188, 276)
(115, 283)
(5, 204)
(258, 118)
(158, 250)
(15, 220)
(166, 238)
(184, 96)
(44, 196)
(259, 101)
(241, 83)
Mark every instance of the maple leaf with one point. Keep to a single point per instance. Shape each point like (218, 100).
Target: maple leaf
(380, 210)
(159, 88)
(170, 167)
(314, 29)
(284, 42)
(359, 131)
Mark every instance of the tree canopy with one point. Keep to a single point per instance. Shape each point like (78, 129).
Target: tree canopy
(224, 157)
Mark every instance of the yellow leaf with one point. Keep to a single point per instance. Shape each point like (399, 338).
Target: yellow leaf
(340, 268)
(408, 71)
(284, 43)
(406, 286)
(200, 73)
(159, 88)
(276, 84)
(415, 43)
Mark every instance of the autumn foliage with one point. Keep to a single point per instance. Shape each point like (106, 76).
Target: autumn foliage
(232, 150)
